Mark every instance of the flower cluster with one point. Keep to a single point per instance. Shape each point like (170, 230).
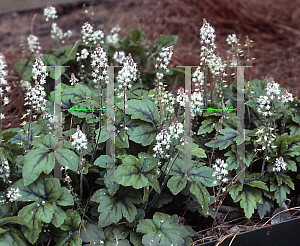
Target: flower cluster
(79, 139)
(196, 104)
(220, 171)
(207, 40)
(196, 101)
(113, 37)
(165, 137)
(163, 60)
(5, 171)
(35, 97)
(39, 70)
(73, 79)
(99, 64)
(198, 79)
(265, 138)
(272, 89)
(232, 39)
(216, 66)
(279, 165)
(89, 36)
(119, 57)
(273, 92)
(50, 12)
(57, 33)
(286, 97)
(33, 44)
(3, 81)
(13, 194)
(128, 73)
(83, 55)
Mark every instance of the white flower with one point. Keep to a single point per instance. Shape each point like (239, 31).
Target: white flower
(220, 170)
(119, 57)
(39, 70)
(128, 73)
(79, 139)
(164, 58)
(73, 79)
(57, 33)
(272, 89)
(99, 64)
(207, 39)
(198, 78)
(196, 104)
(286, 97)
(3, 71)
(113, 37)
(33, 44)
(13, 194)
(36, 97)
(84, 54)
(50, 12)
(231, 39)
(89, 36)
(6, 100)
(279, 165)
(5, 171)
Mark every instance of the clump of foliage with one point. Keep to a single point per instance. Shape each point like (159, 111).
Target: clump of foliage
(115, 194)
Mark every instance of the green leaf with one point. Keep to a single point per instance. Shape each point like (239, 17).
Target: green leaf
(248, 198)
(280, 192)
(12, 219)
(294, 130)
(196, 151)
(42, 159)
(227, 138)
(145, 110)
(69, 239)
(12, 237)
(43, 190)
(258, 184)
(75, 94)
(166, 40)
(130, 172)
(22, 136)
(92, 234)
(24, 68)
(264, 207)
(101, 161)
(201, 194)
(198, 176)
(112, 208)
(138, 36)
(162, 230)
(283, 178)
(207, 126)
(28, 213)
(59, 216)
(72, 221)
(144, 133)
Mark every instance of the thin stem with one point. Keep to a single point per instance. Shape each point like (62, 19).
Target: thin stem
(263, 165)
(284, 117)
(162, 186)
(81, 176)
(28, 145)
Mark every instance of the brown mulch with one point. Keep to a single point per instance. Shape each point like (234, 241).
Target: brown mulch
(272, 25)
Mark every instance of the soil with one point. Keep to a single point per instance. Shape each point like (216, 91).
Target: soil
(272, 25)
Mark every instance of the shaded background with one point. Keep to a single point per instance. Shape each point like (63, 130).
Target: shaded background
(274, 27)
